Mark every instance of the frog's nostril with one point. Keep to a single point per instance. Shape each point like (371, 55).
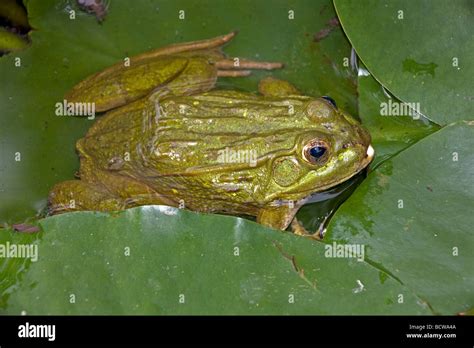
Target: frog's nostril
(330, 100)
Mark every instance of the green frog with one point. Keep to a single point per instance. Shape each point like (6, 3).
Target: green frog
(168, 137)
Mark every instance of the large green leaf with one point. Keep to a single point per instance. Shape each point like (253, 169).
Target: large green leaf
(414, 214)
(226, 266)
(65, 51)
(390, 134)
(420, 50)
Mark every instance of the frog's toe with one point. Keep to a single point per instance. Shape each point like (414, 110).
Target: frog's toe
(239, 64)
(191, 46)
(242, 67)
(233, 73)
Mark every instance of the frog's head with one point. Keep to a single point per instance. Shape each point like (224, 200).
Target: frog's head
(329, 148)
(248, 149)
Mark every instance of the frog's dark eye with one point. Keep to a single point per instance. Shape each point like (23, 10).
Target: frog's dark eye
(315, 153)
(329, 99)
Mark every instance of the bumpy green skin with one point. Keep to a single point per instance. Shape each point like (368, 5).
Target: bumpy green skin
(168, 149)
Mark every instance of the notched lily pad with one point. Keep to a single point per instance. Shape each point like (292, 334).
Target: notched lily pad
(414, 216)
(392, 124)
(162, 260)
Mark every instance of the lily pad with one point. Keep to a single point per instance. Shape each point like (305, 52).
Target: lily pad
(391, 133)
(414, 215)
(162, 260)
(419, 56)
(38, 146)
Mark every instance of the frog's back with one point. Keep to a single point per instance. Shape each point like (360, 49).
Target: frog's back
(185, 133)
(207, 146)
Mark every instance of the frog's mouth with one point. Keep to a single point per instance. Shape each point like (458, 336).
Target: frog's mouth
(370, 153)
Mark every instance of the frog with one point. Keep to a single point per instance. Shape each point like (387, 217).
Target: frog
(169, 136)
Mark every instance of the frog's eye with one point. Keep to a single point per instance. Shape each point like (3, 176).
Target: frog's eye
(315, 152)
(330, 100)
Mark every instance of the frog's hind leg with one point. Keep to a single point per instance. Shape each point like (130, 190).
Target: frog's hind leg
(226, 66)
(74, 195)
(202, 71)
(157, 69)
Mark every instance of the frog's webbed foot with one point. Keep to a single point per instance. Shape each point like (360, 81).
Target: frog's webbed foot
(229, 67)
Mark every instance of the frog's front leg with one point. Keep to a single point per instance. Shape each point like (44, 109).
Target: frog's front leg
(278, 217)
(284, 215)
(298, 229)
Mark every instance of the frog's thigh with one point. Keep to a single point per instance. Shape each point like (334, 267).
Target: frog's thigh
(198, 76)
(272, 87)
(79, 195)
(131, 191)
(276, 217)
